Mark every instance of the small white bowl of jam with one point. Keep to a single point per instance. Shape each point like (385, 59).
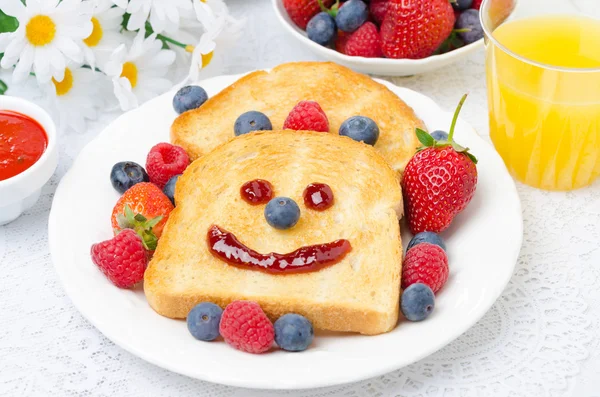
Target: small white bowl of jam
(28, 155)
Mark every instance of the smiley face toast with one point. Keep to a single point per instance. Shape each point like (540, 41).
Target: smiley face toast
(337, 260)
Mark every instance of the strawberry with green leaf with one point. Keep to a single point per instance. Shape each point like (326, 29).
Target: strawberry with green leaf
(439, 181)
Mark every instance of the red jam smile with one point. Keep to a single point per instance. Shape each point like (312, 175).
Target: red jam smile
(225, 246)
(257, 192)
(318, 196)
(22, 143)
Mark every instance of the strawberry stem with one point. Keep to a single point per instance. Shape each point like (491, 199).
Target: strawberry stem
(333, 10)
(455, 118)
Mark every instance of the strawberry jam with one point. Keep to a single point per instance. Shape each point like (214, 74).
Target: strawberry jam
(22, 143)
(257, 192)
(225, 246)
(318, 196)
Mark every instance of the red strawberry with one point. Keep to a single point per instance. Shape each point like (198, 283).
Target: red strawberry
(164, 161)
(476, 4)
(364, 42)
(145, 208)
(439, 181)
(425, 263)
(301, 11)
(307, 116)
(378, 10)
(415, 28)
(340, 41)
(123, 259)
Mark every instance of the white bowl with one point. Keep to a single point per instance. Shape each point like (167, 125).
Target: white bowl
(21, 192)
(377, 66)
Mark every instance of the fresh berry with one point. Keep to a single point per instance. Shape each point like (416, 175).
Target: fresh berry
(378, 10)
(123, 259)
(418, 302)
(149, 210)
(352, 15)
(282, 213)
(125, 174)
(425, 263)
(340, 41)
(169, 189)
(301, 11)
(476, 4)
(461, 5)
(439, 135)
(246, 327)
(321, 29)
(364, 42)
(188, 98)
(469, 27)
(439, 181)
(251, 121)
(361, 129)
(293, 332)
(164, 161)
(415, 29)
(427, 237)
(307, 116)
(203, 321)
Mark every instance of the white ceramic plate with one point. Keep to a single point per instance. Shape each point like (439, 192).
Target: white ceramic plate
(376, 66)
(483, 244)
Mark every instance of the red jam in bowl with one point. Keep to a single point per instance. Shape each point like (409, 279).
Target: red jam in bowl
(225, 246)
(257, 192)
(318, 196)
(22, 143)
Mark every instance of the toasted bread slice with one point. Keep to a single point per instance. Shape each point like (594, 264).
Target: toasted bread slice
(358, 294)
(341, 93)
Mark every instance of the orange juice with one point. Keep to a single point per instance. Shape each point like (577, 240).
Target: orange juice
(545, 105)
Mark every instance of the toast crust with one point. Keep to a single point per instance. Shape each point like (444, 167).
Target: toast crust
(341, 93)
(358, 294)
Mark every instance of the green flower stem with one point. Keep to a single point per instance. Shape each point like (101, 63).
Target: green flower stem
(172, 41)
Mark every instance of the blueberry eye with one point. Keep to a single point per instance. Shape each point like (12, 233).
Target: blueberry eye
(318, 196)
(257, 191)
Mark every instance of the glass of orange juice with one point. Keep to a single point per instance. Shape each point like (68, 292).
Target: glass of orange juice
(543, 78)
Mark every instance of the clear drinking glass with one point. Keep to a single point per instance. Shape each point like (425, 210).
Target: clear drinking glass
(543, 80)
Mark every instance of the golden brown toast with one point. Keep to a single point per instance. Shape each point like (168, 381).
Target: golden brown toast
(341, 93)
(358, 294)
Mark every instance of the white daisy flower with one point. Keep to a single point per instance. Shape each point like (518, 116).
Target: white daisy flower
(138, 74)
(163, 15)
(49, 34)
(105, 36)
(77, 97)
(206, 10)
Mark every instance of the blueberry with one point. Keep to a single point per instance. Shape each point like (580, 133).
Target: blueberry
(469, 20)
(361, 129)
(188, 98)
(293, 332)
(352, 15)
(321, 29)
(251, 121)
(427, 237)
(440, 135)
(282, 212)
(461, 5)
(417, 302)
(169, 189)
(203, 321)
(125, 174)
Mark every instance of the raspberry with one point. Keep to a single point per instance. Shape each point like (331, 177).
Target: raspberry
(340, 41)
(122, 259)
(425, 263)
(246, 327)
(308, 116)
(476, 4)
(364, 42)
(164, 161)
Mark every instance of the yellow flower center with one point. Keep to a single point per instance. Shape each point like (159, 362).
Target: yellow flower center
(40, 30)
(130, 72)
(96, 35)
(64, 86)
(206, 58)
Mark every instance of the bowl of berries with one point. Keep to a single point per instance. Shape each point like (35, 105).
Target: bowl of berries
(385, 37)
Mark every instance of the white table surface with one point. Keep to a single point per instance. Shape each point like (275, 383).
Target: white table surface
(540, 339)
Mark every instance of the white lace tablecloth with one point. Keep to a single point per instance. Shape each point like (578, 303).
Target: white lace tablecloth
(541, 338)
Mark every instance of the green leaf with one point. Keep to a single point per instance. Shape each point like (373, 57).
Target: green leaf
(424, 137)
(8, 23)
(154, 221)
(3, 86)
(458, 148)
(140, 218)
(471, 157)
